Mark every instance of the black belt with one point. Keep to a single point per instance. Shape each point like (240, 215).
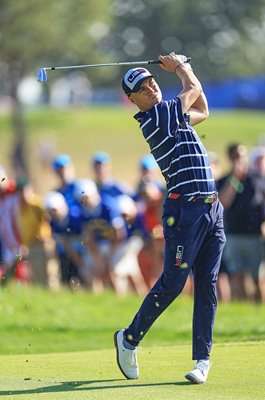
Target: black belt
(194, 199)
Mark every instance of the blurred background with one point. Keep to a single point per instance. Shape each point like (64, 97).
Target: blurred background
(81, 112)
(224, 39)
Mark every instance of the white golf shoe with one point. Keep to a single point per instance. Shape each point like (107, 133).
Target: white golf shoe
(126, 359)
(199, 373)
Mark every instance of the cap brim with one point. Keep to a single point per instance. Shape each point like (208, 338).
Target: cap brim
(138, 84)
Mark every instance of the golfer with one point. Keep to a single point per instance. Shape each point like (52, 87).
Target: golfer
(192, 215)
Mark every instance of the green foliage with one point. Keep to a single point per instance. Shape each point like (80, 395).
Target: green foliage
(33, 33)
(224, 38)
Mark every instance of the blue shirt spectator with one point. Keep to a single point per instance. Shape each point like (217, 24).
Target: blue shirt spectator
(106, 184)
(101, 217)
(64, 169)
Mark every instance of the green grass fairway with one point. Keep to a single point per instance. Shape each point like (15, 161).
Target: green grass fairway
(237, 373)
(37, 321)
(59, 346)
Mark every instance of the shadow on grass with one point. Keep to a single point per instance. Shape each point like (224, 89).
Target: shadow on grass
(77, 386)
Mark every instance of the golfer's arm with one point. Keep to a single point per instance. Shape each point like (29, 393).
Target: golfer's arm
(199, 110)
(193, 100)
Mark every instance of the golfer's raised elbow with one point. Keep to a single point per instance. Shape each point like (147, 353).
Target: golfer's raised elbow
(205, 114)
(202, 105)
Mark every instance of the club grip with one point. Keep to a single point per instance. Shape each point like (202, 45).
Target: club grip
(159, 62)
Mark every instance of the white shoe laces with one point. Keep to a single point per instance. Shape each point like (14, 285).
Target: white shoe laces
(132, 356)
(202, 366)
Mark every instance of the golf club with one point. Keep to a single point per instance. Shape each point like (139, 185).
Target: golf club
(42, 74)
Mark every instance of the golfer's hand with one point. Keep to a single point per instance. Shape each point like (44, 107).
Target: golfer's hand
(171, 62)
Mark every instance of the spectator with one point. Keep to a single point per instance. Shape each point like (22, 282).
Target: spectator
(149, 171)
(125, 267)
(9, 232)
(35, 232)
(215, 165)
(240, 194)
(64, 168)
(66, 228)
(103, 226)
(257, 165)
(102, 171)
(257, 160)
(149, 198)
(223, 282)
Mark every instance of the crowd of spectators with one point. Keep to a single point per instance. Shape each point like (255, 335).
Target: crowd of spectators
(94, 233)
(98, 233)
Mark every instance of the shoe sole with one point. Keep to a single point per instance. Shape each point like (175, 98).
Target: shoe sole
(193, 380)
(117, 356)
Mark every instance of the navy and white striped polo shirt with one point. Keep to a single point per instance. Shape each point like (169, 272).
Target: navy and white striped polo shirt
(177, 149)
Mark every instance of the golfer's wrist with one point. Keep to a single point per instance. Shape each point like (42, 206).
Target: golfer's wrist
(185, 66)
(178, 66)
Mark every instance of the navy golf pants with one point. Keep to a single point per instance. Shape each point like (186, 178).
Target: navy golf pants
(194, 240)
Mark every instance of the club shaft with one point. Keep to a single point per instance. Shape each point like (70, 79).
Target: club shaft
(108, 65)
(105, 65)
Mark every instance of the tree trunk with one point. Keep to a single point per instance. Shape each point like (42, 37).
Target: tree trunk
(18, 151)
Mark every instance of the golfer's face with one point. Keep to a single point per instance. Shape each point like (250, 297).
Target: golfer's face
(148, 95)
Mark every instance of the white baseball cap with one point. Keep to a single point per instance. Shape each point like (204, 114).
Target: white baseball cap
(54, 200)
(126, 204)
(84, 187)
(133, 79)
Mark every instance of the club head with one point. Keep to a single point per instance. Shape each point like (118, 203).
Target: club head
(42, 75)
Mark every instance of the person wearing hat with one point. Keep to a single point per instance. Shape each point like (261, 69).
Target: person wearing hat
(192, 214)
(149, 171)
(242, 192)
(66, 226)
(125, 269)
(106, 183)
(149, 198)
(103, 229)
(64, 169)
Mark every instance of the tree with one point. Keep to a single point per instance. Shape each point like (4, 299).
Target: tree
(224, 38)
(33, 34)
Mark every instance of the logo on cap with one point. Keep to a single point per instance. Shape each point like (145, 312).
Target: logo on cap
(133, 78)
(135, 73)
